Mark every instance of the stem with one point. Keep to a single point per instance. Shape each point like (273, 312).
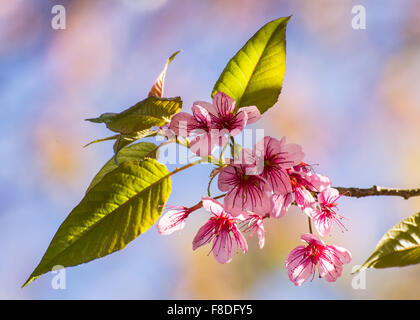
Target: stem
(221, 153)
(200, 204)
(310, 225)
(209, 185)
(232, 148)
(184, 167)
(378, 191)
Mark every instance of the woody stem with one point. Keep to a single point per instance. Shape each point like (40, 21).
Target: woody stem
(378, 191)
(310, 224)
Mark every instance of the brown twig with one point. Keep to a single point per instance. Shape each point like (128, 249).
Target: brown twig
(378, 191)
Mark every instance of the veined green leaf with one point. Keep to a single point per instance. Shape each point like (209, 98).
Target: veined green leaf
(150, 112)
(399, 247)
(137, 151)
(124, 140)
(254, 76)
(124, 204)
(157, 89)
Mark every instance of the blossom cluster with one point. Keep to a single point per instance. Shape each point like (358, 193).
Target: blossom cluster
(258, 183)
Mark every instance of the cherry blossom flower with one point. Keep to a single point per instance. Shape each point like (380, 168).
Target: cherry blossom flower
(173, 220)
(222, 231)
(199, 126)
(277, 156)
(254, 225)
(324, 215)
(212, 123)
(303, 261)
(303, 181)
(244, 191)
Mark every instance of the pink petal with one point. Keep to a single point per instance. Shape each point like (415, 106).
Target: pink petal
(239, 123)
(328, 270)
(328, 196)
(213, 206)
(223, 248)
(260, 234)
(168, 223)
(227, 179)
(204, 235)
(280, 203)
(252, 112)
(312, 239)
(206, 105)
(201, 114)
(343, 254)
(223, 103)
(182, 123)
(240, 240)
(262, 206)
(304, 198)
(202, 145)
(322, 224)
(301, 272)
(294, 257)
(278, 181)
(293, 155)
(319, 182)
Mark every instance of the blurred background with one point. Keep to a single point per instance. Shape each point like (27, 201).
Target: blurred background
(350, 98)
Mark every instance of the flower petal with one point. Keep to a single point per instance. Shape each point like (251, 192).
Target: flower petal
(202, 145)
(171, 221)
(252, 112)
(213, 206)
(204, 235)
(280, 204)
(206, 105)
(223, 104)
(223, 248)
(319, 182)
(227, 179)
(182, 124)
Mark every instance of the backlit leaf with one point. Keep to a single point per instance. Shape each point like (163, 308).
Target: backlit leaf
(148, 113)
(157, 89)
(123, 205)
(399, 247)
(254, 76)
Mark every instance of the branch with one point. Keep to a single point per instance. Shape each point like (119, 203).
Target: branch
(378, 191)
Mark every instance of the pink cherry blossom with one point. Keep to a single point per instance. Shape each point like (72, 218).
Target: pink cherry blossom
(222, 231)
(212, 123)
(278, 156)
(199, 127)
(173, 220)
(244, 192)
(303, 261)
(254, 225)
(280, 204)
(303, 181)
(324, 215)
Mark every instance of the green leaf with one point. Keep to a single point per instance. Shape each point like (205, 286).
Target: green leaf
(254, 76)
(150, 112)
(137, 151)
(123, 205)
(157, 89)
(124, 140)
(399, 247)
